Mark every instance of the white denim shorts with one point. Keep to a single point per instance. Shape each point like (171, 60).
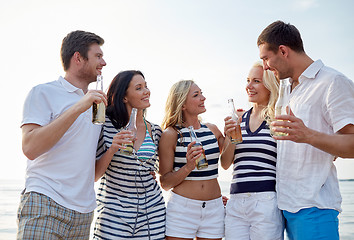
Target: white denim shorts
(254, 216)
(188, 218)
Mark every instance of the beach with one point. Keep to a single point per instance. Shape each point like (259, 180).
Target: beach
(10, 196)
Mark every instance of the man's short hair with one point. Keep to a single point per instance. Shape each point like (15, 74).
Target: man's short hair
(77, 41)
(280, 33)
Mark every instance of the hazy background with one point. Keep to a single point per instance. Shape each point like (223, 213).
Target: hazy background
(212, 42)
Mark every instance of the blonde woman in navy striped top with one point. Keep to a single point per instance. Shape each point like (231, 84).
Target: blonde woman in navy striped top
(195, 207)
(130, 202)
(252, 212)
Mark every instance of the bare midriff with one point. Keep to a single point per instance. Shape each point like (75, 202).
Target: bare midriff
(199, 190)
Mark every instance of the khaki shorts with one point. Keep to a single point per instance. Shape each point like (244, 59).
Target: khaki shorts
(39, 217)
(188, 218)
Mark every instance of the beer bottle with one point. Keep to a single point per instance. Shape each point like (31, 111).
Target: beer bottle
(98, 110)
(201, 162)
(281, 106)
(131, 126)
(235, 135)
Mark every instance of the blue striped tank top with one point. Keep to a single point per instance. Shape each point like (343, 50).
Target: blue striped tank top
(255, 160)
(147, 149)
(210, 146)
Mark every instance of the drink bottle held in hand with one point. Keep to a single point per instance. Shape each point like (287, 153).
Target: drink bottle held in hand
(281, 106)
(235, 134)
(99, 110)
(131, 126)
(201, 162)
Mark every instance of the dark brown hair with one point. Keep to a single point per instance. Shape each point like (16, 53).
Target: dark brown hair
(280, 33)
(116, 109)
(77, 41)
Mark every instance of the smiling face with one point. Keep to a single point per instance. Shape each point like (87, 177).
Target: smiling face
(276, 62)
(138, 94)
(256, 91)
(194, 103)
(93, 65)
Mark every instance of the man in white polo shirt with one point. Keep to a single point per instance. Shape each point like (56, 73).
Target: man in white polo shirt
(60, 142)
(320, 127)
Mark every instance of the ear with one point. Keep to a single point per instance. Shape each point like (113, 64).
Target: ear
(77, 57)
(125, 100)
(284, 50)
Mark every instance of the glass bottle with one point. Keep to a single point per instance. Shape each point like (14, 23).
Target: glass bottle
(201, 162)
(281, 106)
(235, 135)
(99, 110)
(131, 126)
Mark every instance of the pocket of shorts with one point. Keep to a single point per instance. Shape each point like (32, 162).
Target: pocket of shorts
(24, 198)
(175, 208)
(267, 197)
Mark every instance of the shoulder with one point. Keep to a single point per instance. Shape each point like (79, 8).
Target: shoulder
(155, 127)
(170, 132)
(333, 76)
(214, 129)
(169, 137)
(44, 88)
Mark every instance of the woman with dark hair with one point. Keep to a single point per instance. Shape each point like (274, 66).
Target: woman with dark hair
(130, 202)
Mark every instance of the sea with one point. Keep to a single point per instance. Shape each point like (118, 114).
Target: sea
(10, 196)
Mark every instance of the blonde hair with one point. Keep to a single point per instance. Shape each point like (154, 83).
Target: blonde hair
(174, 103)
(272, 84)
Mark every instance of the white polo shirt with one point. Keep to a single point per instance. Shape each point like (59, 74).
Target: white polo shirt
(306, 176)
(66, 172)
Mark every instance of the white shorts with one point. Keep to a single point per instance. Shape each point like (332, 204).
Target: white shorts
(254, 216)
(188, 218)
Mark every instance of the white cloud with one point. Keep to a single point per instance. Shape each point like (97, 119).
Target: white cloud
(304, 5)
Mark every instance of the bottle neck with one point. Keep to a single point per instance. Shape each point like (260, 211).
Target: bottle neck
(193, 135)
(132, 120)
(99, 82)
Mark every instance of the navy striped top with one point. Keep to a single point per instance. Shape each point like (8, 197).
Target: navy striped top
(255, 160)
(210, 146)
(130, 201)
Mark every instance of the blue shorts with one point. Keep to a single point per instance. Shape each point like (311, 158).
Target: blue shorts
(312, 223)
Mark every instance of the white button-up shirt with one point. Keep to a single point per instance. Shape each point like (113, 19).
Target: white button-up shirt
(306, 176)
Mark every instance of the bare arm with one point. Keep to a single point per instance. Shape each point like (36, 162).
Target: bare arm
(37, 140)
(340, 144)
(228, 152)
(169, 178)
(218, 135)
(117, 143)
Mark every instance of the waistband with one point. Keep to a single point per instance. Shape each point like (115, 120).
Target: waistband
(257, 195)
(174, 197)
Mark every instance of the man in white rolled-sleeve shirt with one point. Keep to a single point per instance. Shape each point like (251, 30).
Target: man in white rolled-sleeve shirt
(320, 127)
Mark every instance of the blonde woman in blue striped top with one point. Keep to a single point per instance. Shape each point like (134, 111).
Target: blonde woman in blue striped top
(195, 207)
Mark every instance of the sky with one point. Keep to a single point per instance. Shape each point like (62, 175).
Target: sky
(212, 42)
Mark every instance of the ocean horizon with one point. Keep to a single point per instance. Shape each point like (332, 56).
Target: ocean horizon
(10, 191)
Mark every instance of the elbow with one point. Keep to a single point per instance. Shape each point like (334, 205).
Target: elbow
(224, 166)
(98, 175)
(165, 186)
(223, 163)
(29, 153)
